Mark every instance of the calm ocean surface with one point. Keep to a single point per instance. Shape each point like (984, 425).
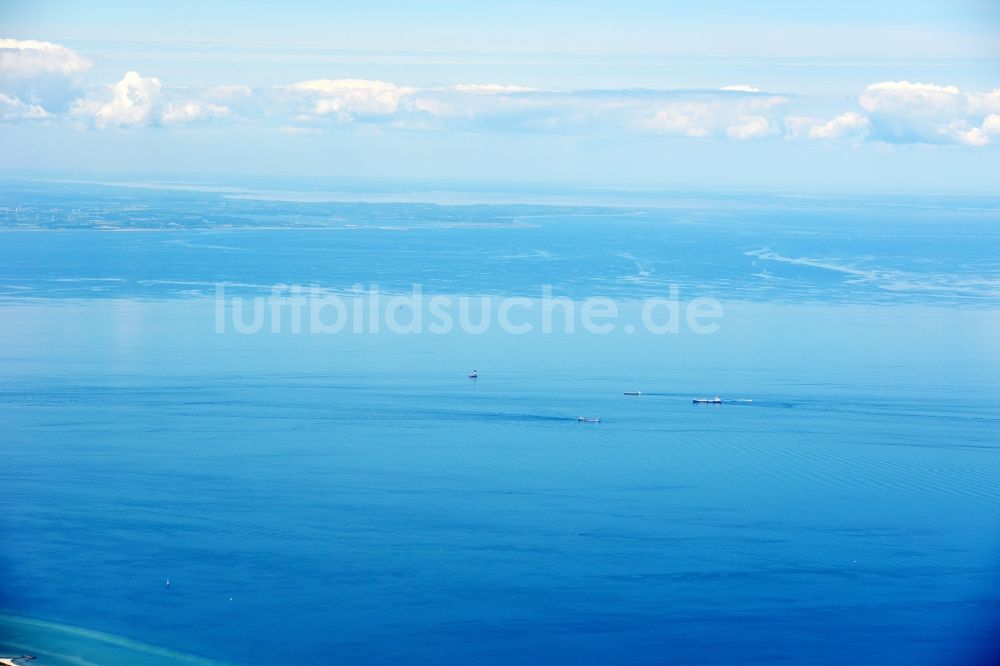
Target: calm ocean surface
(351, 497)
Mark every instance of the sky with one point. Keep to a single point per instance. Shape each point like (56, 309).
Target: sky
(860, 96)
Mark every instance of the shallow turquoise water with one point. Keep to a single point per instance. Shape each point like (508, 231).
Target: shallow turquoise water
(348, 497)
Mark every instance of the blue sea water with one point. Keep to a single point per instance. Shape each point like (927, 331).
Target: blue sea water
(357, 498)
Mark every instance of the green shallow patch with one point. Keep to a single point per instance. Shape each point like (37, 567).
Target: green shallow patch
(66, 645)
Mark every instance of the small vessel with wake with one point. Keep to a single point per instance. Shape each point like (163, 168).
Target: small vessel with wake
(633, 392)
(585, 419)
(708, 401)
(474, 374)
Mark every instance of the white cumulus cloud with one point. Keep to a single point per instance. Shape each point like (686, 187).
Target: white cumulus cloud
(12, 108)
(974, 136)
(347, 99)
(731, 114)
(905, 112)
(844, 125)
(491, 105)
(686, 119)
(38, 77)
(750, 128)
(903, 96)
(886, 112)
(740, 112)
(138, 101)
(991, 124)
(134, 101)
(29, 58)
(466, 105)
(186, 112)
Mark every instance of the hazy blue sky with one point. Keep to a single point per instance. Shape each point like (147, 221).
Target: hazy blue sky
(783, 95)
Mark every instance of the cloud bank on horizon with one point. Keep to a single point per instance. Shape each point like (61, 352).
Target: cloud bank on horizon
(41, 82)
